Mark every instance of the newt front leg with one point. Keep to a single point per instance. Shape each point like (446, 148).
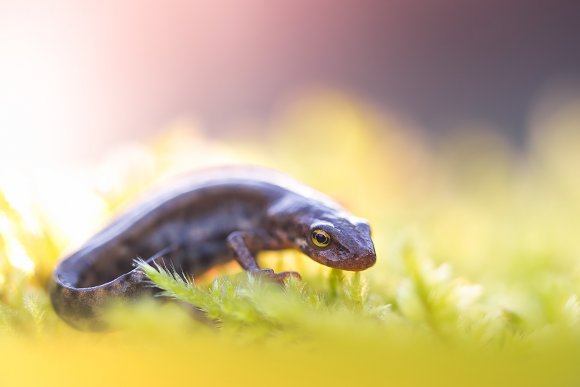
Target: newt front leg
(245, 245)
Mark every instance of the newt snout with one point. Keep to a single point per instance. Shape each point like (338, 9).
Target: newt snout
(361, 262)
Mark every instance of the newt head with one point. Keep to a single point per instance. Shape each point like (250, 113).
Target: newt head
(342, 242)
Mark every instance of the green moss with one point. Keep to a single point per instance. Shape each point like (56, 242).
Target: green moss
(477, 278)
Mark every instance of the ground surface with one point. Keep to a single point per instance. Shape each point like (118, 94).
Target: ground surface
(477, 279)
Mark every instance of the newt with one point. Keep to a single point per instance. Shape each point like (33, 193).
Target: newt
(206, 219)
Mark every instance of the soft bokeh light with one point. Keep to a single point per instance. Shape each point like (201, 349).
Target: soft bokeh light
(476, 227)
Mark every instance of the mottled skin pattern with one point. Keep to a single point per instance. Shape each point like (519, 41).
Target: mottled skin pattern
(204, 220)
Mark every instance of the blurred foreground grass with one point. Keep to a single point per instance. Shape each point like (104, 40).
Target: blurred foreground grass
(477, 280)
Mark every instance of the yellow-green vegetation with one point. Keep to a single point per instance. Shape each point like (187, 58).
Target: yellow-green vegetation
(477, 280)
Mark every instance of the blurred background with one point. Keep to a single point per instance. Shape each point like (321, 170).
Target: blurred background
(452, 126)
(77, 77)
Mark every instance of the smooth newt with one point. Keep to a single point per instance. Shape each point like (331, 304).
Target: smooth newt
(206, 219)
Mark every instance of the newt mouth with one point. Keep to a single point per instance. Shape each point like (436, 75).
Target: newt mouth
(358, 263)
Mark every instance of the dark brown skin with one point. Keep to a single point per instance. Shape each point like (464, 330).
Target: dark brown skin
(207, 219)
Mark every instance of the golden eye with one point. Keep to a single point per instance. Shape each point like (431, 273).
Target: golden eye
(320, 238)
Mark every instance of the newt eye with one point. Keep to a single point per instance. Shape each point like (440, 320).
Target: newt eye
(320, 238)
